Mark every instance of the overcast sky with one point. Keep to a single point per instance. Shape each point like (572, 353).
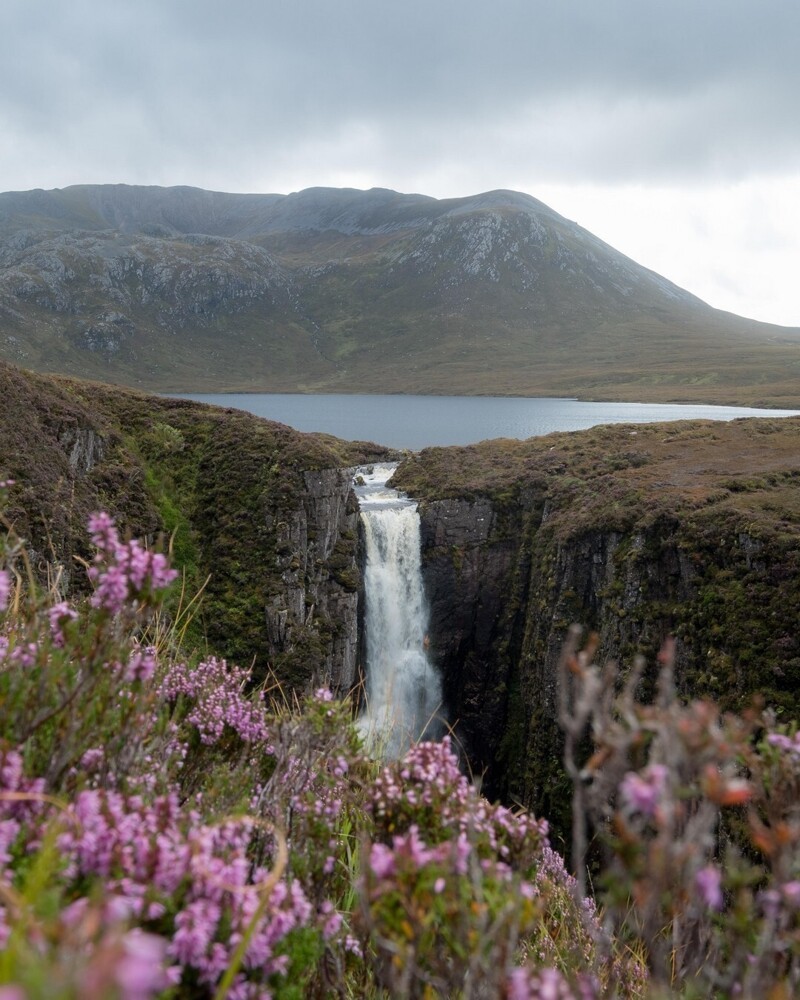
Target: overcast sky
(669, 129)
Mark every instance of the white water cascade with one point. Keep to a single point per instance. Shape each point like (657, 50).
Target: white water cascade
(403, 692)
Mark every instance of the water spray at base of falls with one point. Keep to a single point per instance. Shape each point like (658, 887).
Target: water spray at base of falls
(403, 691)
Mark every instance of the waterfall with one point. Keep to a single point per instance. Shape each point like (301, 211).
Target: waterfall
(403, 692)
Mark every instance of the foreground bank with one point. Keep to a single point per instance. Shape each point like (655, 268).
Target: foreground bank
(162, 833)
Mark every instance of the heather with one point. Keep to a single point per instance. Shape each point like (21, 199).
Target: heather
(170, 828)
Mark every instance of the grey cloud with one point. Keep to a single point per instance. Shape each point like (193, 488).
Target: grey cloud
(618, 88)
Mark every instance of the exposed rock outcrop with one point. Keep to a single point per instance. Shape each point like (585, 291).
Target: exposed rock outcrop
(468, 570)
(318, 560)
(359, 291)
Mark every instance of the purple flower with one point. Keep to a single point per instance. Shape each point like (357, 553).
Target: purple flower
(139, 972)
(381, 860)
(58, 615)
(708, 882)
(123, 572)
(643, 792)
(12, 992)
(542, 984)
(789, 743)
(791, 893)
(5, 589)
(92, 759)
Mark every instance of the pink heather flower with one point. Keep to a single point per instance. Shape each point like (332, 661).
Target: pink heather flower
(789, 743)
(112, 590)
(217, 692)
(92, 759)
(12, 992)
(351, 944)
(122, 571)
(791, 893)
(141, 664)
(323, 694)
(381, 860)
(643, 792)
(332, 925)
(58, 615)
(140, 973)
(102, 531)
(5, 589)
(73, 914)
(708, 883)
(25, 654)
(542, 984)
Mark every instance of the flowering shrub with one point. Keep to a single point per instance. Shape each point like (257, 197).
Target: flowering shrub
(124, 574)
(699, 816)
(103, 724)
(166, 831)
(457, 890)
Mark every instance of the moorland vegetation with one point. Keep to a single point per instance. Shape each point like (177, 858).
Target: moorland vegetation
(327, 290)
(168, 830)
(172, 824)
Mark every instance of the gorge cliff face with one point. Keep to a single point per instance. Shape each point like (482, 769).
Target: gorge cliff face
(636, 535)
(469, 567)
(259, 517)
(317, 554)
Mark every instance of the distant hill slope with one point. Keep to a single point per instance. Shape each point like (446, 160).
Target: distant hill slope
(373, 291)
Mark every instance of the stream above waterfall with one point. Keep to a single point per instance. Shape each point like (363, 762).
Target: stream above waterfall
(403, 690)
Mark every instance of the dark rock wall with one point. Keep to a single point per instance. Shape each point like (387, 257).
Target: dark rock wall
(504, 588)
(317, 555)
(470, 568)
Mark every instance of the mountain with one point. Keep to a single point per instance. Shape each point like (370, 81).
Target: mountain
(333, 290)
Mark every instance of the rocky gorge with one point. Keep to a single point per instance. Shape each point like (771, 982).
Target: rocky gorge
(690, 530)
(637, 535)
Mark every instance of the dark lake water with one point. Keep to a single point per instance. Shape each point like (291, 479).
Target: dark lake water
(416, 422)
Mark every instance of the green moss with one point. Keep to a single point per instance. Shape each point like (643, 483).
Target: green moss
(216, 483)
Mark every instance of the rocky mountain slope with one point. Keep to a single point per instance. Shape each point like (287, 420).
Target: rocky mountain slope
(343, 290)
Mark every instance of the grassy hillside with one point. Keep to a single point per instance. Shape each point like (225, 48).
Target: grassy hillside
(360, 291)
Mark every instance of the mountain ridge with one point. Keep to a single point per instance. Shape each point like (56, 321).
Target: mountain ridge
(342, 290)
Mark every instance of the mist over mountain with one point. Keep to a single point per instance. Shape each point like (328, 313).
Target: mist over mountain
(339, 290)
